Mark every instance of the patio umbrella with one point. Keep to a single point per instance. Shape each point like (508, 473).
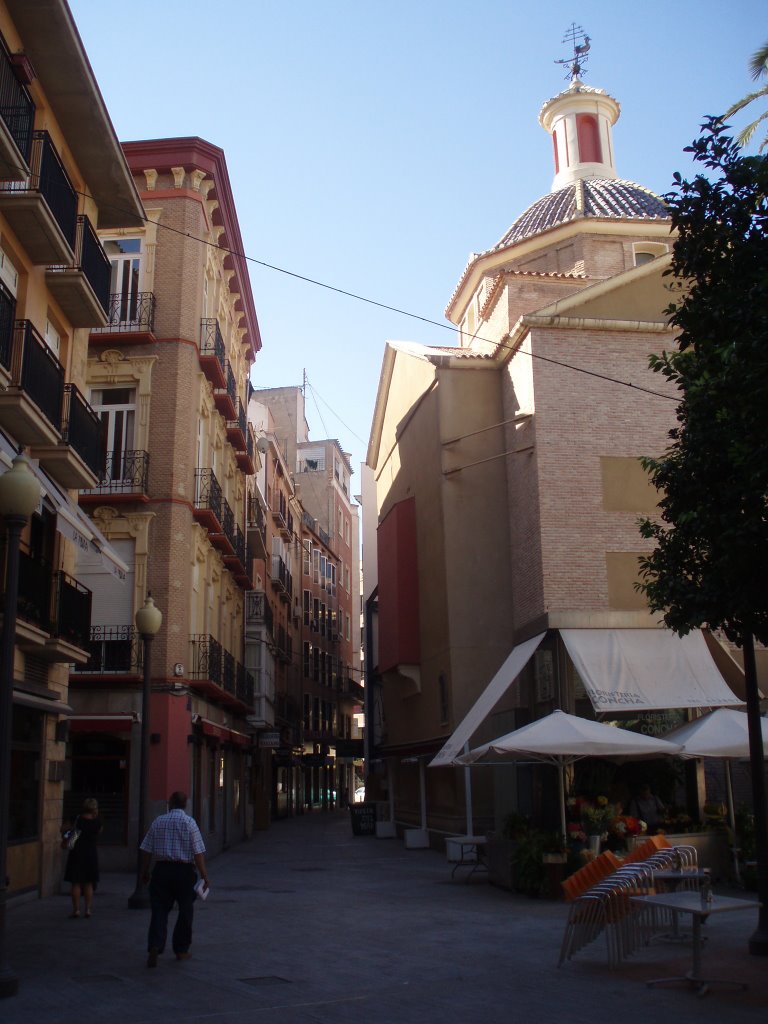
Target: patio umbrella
(722, 734)
(561, 739)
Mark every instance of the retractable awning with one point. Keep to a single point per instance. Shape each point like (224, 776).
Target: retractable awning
(647, 669)
(494, 691)
(71, 521)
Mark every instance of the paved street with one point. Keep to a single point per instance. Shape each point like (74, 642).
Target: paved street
(308, 923)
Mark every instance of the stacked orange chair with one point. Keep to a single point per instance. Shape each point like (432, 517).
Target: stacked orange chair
(592, 873)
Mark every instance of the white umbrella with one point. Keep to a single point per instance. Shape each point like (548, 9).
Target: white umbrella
(561, 739)
(724, 734)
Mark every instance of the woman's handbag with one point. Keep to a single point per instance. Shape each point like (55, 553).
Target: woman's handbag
(70, 837)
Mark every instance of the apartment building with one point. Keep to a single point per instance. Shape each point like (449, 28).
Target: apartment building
(63, 179)
(319, 546)
(168, 376)
(508, 486)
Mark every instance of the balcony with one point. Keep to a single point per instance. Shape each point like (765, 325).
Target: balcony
(256, 531)
(212, 361)
(42, 207)
(31, 404)
(237, 429)
(258, 611)
(225, 396)
(54, 613)
(127, 313)
(223, 539)
(113, 650)
(208, 500)
(77, 461)
(244, 686)
(125, 477)
(236, 562)
(245, 458)
(82, 287)
(282, 581)
(215, 671)
(17, 117)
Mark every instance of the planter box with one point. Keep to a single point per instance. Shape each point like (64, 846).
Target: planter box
(416, 839)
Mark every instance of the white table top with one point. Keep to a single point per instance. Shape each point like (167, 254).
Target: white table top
(690, 902)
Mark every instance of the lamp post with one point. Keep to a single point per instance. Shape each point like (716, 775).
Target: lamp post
(19, 497)
(148, 622)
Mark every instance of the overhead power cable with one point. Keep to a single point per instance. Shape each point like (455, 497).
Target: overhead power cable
(383, 305)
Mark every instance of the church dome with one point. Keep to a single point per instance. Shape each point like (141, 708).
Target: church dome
(587, 197)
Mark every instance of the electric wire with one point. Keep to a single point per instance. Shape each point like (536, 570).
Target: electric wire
(374, 302)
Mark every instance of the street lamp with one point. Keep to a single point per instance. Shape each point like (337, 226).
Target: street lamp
(148, 622)
(19, 497)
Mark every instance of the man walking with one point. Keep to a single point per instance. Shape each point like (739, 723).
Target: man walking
(178, 848)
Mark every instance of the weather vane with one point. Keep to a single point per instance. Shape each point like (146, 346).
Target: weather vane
(580, 43)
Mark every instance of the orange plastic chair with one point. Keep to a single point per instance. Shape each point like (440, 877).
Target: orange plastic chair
(592, 873)
(650, 846)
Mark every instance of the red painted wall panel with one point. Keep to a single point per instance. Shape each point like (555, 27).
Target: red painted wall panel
(398, 587)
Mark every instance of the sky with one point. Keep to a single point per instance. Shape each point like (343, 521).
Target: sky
(373, 147)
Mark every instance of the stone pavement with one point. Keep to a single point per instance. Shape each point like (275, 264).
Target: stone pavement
(308, 923)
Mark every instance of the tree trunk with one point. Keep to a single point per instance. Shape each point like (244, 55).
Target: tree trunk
(758, 942)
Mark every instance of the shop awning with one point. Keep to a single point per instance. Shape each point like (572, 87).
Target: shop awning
(101, 723)
(494, 691)
(71, 521)
(647, 669)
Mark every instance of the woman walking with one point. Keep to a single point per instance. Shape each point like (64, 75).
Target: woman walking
(82, 869)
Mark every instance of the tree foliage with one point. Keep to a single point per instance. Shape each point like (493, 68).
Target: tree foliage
(710, 563)
(758, 69)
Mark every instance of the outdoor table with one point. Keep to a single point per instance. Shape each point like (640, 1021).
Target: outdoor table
(674, 878)
(691, 903)
(471, 852)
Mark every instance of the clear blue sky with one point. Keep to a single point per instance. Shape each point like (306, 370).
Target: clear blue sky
(374, 146)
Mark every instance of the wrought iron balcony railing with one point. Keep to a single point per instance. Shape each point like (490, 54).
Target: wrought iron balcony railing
(208, 496)
(244, 685)
(81, 429)
(129, 313)
(228, 672)
(211, 340)
(114, 650)
(91, 259)
(206, 658)
(54, 601)
(16, 106)
(258, 610)
(7, 321)
(124, 472)
(48, 178)
(36, 370)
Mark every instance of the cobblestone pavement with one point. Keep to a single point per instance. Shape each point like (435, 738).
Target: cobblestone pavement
(308, 923)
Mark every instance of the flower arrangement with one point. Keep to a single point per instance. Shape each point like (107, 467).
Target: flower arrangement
(624, 825)
(597, 816)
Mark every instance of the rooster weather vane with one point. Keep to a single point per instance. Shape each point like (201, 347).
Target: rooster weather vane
(580, 43)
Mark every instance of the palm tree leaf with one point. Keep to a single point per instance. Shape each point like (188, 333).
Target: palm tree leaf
(758, 63)
(745, 101)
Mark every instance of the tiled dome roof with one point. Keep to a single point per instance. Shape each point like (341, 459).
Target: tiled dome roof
(587, 197)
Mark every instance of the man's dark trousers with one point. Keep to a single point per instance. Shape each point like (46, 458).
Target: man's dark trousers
(171, 883)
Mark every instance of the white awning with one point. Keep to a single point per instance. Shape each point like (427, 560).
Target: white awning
(71, 521)
(647, 669)
(491, 695)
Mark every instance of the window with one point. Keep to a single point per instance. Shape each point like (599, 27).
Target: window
(307, 660)
(52, 339)
(346, 531)
(588, 132)
(306, 566)
(646, 252)
(348, 631)
(347, 580)
(116, 408)
(125, 281)
(306, 606)
(9, 275)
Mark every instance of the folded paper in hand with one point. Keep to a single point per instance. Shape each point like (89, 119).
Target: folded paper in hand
(201, 889)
